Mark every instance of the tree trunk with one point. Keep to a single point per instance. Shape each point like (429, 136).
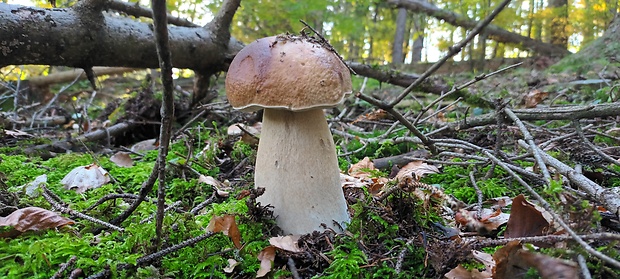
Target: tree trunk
(559, 22)
(419, 24)
(495, 32)
(398, 56)
(79, 38)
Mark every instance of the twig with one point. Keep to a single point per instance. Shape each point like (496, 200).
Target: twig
(530, 140)
(478, 193)
(204, 204)
(607, 197)
(63, 267)
(401, 256)
(327, 45)
(57, 206)
(151, 257)
(454, 50)
(593, 147)
(291, 266)
(160, 30)
(583, 266)
(555, 216)
(58, 94)
(551, 113)
(476, 243)
(172, 206)
(138, 11)
(111, 197)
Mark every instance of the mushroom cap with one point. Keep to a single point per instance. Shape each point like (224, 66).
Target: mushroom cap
(286, 72)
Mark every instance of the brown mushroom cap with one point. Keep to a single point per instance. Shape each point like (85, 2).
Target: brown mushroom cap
(286, 72)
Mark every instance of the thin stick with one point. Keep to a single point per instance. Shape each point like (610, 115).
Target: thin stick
(57, 206)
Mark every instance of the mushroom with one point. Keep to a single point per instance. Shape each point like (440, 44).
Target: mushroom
(293, 78)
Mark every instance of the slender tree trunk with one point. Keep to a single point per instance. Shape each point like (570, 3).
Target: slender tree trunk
(398, 56)
(559, 22)
(419, 24)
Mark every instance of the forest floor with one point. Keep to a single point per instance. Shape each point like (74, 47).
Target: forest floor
(524, 185)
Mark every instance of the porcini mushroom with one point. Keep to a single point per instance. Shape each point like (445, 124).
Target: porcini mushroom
(293, 78)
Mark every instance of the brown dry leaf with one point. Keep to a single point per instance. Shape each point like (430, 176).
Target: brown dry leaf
(287, 243)
(266, 258)
(513, 262)
(372, 116)
(122, 159)
(416, 170)
(534, 97)
(489, 220)
(361, 169)
(83, 178)
(460, 272)
(525, 220)
(507, 263)
(484, 258)
(360, 177)
(348, 181)
(549, 267)
(500, 201)
(227, 225)
(34, 219)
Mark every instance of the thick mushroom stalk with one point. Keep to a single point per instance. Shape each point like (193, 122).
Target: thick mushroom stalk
(293, 79)
(297, 165)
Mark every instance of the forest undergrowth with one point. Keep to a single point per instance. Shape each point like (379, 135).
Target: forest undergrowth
(522, 185)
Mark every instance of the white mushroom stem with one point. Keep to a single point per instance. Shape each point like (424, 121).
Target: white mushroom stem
(297, 165)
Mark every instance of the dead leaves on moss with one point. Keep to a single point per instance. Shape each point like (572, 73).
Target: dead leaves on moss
(32, 219)
(513, 261)
(226, 224)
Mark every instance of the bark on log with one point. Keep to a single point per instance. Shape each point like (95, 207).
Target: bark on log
(70, 75)
(394, 77)
(495, 32)
(552, 113)
(75, 38)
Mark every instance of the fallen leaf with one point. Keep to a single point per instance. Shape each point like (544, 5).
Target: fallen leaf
(231, 266)
(507, 263)
(32, 189)
(287, 243)
(489, 219)
(534, 97)
(145, 145)
(85, 177)
(372, 116)
(512, 261)
(226, 224)
(362, 168)
(248, 133)
(460, 272)
(122, 159)
(220, 187)
(34, 219)
(266, 258)
(525, 220)
(416, 170)
(549, 267)
(500, 202)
